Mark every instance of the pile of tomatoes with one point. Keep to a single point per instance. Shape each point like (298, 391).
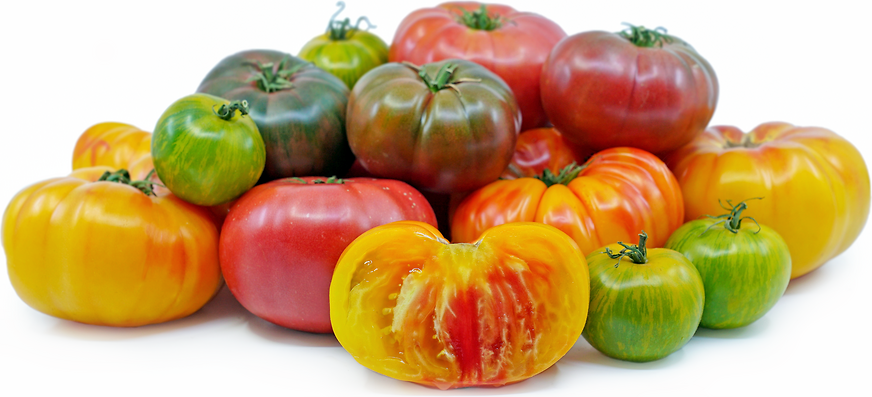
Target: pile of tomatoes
(457, 207)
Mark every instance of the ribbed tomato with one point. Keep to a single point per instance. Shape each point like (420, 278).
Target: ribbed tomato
(109, 253)
(282, 239)
(540, 149)
(512, 44)
(408, 305)
(815, 184)
(115, 145)
(610, 198)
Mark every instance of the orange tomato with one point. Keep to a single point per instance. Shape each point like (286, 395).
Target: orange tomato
(540, 149)
(106, 253)
(408, 305)
(815, 184)
(614, 195)
(116, 145)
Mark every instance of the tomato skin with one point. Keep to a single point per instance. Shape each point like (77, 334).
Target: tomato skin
(603, 91)
(621, 191)
(303, 127)
(743, 273)
(815, 184)
(445, 142)
(347, 59)
(281, 240)
(202, 158)
(540, 149)
(515, 51)
(104, 253)
(408, 305)
(111, 144)
(642, 312)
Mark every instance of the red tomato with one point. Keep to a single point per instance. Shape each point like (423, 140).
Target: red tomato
(512, 44)
(650, 91)
(281, 241)
(540, 149)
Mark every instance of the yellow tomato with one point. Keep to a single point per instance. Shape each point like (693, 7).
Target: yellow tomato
(408, 305)
(106, 253)
(815, 185)
(116, 145)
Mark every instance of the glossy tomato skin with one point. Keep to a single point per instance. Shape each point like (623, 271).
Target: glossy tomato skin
(543, 148)
(452, 140)
(410, 306)
(105, 253)
(202, 158)
(621, 191)
(348, 59)
(642, 312)
(303, 127)
(115, 145)
(281, 241)
(515, 51)
(743, 273)
(602, 91)
(815, 184)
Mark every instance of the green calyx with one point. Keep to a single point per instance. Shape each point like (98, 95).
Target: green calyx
(123, 176)
(637, 253)
(331, 180)
(566, 175)
(480, 20)
(227, 111)
(343, 30)
(646, 38)
(733, 220)
(443, 77)
(270, 78)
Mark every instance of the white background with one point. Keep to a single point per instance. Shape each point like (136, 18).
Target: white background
(69, 65)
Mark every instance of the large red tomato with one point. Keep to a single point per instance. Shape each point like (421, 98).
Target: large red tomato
(512, 44)
(639, 88)
(282, 239)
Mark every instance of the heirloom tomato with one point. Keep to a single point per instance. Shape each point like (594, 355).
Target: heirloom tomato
(644, 304)
(815, 184)
(444, 127)
(610, 198)
(540, 149)
(639, 88)
(512, 44)
(207, 150)
(115, 145)
(282, 239)
(409, 305)
(97, 248)
(299, 110)
(346, 51)
(745, 267)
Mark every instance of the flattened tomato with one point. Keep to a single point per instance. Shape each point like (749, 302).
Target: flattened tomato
(115, 145)
(408, 305)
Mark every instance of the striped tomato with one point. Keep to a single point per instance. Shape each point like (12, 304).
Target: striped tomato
(115, 145)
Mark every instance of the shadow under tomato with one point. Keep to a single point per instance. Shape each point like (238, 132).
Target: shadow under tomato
(749, 331)
(384, 385)
(279, 334)
(223, 308)
(585, 353)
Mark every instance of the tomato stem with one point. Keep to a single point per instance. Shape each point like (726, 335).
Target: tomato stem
(442, 79)
(566, 175)
(646, 38)
(480, 20)
(733, 220)
(272, 78)
(226, 112)
(319, 181)
(342, 30)
(123, 176)
(637, 253)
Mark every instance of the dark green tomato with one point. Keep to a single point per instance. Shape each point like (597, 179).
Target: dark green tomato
(203, 158)
(453, 134)
(348, 58)
(642, 312)
(301, 119)
(744, 273)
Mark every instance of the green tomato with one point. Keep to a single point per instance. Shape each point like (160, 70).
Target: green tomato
(644, 304)
(745, 268)
(206, 150)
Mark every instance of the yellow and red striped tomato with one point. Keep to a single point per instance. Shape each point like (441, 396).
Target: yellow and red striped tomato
(616, 193)
(115, 145)
(408, 305)
(106, 253)
(815, 184)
